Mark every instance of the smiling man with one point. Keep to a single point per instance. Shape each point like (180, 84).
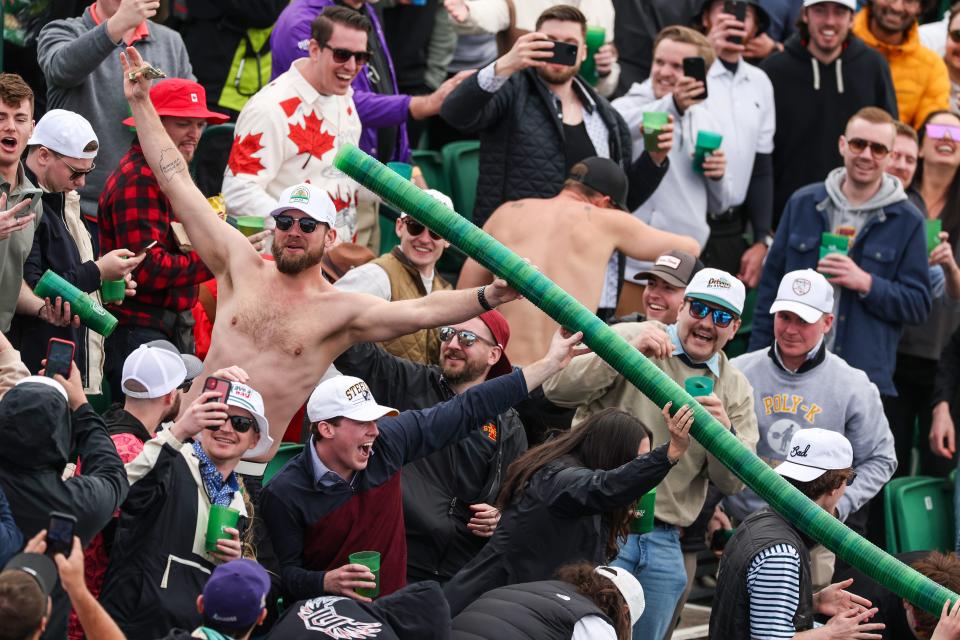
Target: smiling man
(406, 273)
(882, 282)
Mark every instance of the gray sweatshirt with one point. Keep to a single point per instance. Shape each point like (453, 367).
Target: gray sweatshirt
(82, 68)
(830, 395)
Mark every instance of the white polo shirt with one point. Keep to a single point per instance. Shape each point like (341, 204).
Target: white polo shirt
(743, 103)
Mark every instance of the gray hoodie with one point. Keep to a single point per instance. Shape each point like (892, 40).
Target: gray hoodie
(847, 220)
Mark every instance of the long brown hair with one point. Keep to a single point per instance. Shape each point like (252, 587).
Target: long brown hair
(605, 441)
(950, 214)
(602, 592)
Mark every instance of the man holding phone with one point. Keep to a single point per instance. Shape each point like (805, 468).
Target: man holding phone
(677, 85)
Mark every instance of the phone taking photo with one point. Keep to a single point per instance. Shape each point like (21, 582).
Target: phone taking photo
(221, 386)
(60, 533)
(737, 9)
(696, 67)
(145, 248)
(563, 53)
(59, 357)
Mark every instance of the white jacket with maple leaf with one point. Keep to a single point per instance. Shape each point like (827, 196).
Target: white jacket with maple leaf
(286, 134)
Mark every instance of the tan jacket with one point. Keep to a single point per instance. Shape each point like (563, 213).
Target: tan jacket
(591, 384)
(12, 370)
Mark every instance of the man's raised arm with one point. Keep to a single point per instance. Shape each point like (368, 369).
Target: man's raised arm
(212, 239)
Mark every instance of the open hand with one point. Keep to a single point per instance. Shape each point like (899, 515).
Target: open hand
(833, 599)
(948, 628)
(9, 222)
(137, 89)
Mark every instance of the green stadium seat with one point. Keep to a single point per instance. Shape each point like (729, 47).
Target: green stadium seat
(918, 513)
(461, 165)
(286, 451)
(738, 345)
(431, 164)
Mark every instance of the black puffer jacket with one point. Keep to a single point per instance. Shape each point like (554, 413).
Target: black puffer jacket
(522, 141)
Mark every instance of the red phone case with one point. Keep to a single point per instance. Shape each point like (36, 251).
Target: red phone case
(50, 347)
(219, 385)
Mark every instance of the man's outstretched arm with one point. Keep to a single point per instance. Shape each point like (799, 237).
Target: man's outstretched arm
(212, 239)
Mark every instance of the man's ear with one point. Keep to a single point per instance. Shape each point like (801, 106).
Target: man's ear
(324, 429)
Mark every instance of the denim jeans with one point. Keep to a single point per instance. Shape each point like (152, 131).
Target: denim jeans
(657, 562)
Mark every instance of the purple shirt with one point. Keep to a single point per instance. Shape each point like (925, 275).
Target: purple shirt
(375, 110)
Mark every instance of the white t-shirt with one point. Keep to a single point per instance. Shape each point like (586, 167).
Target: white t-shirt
(593, 628)
(371, 278)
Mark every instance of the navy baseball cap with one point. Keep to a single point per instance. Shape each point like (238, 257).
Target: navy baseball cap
(236, 593)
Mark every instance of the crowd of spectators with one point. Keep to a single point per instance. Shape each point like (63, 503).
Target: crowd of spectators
(242, 396)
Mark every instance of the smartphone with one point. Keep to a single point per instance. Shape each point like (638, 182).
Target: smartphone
(60, 533)
(59, 357)
(219, 385)
(696, 67)
(563, 53)
(145, 248)
(738, 9)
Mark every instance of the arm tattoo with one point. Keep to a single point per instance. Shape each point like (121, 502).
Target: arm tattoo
(171, 163)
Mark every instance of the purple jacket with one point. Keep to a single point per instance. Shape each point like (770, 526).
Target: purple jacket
(375, 110)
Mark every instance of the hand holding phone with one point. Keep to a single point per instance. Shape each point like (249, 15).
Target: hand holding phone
(737, 9)
(145, 248)
(221, 386)
(60, 533)
(564, 53)
(695, 68)
(59, 357)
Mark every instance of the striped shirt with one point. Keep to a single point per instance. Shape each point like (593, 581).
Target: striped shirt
(773, 586)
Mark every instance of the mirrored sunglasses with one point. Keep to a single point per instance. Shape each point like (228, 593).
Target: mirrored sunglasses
(464, 337)
(721, 317)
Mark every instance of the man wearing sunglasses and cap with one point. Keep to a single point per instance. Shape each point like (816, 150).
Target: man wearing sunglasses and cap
(134, 212)
(407, 272)
(764, 588)
(708, 318)
(159, 562)
(447, 496)
(859, 230)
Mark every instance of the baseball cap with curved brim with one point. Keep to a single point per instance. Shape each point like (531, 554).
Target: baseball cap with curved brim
(250, 400)
(348, 397)
(763, 18)
(50, 382)
(310, 200)
(628, 586)
(805, 293)
(500, 329)
(815, 451)
(183, 98)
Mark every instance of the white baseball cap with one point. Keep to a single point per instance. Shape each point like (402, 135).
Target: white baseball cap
(249, 399)
(718, 287)
(152, 372)
(312, 201)
(50, 382)
(805, 293)
(439, 196)
(67, 133)
(849, 4)
(628, 586)
(813, 452)
(345, 396)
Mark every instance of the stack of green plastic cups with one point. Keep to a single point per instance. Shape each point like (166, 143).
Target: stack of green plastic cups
(92, 314)
(559, 305)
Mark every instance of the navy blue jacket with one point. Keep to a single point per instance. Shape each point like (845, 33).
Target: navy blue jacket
(892, 247)
(293, 501)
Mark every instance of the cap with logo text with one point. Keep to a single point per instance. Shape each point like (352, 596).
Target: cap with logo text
(345, 396)
(676, 268)
(805, 293)
(717, 287)
(813, 452)
(250, 400)
(310, 200)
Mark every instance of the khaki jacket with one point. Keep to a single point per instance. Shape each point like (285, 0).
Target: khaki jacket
(591, 384)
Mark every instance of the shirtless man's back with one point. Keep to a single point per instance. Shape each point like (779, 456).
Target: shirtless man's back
(282, 321)
(570, 239)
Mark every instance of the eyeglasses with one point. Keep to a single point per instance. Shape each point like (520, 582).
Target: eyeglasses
(76, 173)
(466, 338)
(720, 317)
(241, 424)
(341, 56)
(285, 222)
(185, 385)
(415, 228)
(943, 131)
(857, 145)
(954, 36)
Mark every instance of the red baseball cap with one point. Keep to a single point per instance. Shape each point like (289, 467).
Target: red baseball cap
(181, 97)
(500, 329)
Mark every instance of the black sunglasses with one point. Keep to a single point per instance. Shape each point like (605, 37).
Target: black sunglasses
(466, 338)
(340, 56)
(878, 149)
(185, 385)
(241, 424)
(76, 173)
(285, 222)
(720, 317)
(416, 228)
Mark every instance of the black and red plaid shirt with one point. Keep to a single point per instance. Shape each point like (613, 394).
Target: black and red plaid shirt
(133, 212)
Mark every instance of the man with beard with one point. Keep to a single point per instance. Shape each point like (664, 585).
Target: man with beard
(134, 213)
(282, 321)
(447, 495)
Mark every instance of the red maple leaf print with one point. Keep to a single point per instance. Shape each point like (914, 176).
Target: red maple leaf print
(310, 139)
(339, 204)
(290, 105)
(241, 155)
(349, 110)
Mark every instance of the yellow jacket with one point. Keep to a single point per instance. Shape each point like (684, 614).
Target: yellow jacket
(919, 75)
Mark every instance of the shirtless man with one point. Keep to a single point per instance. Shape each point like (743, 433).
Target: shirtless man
(570, 237)
(281, 321)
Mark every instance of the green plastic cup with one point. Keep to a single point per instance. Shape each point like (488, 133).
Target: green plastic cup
(698, 386)
(371, 560)
(596, 36)
(643, 513)
(112, 290)
(707, 142)
(92, 314)
(249, 225)
(653, 123)
(220, 518)
(833, 243)
(934, 227)
(405, 170)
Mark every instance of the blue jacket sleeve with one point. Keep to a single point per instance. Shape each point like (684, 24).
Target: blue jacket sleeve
(773, 269)
(416, 434)
(906, 298)
(11, 540)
